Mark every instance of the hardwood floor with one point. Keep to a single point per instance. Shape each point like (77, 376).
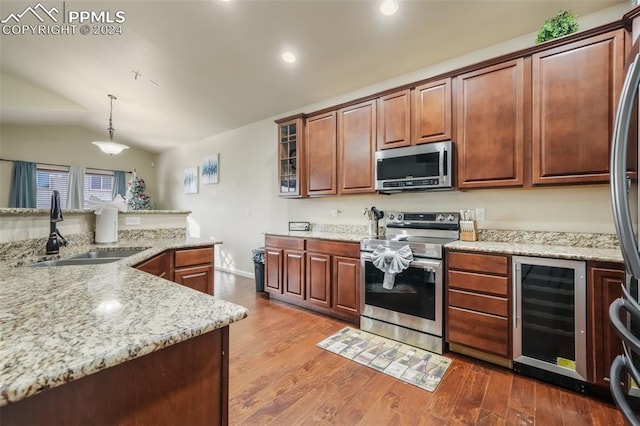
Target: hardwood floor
(279, 376)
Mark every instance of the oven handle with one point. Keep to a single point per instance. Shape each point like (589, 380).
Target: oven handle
(428, 264)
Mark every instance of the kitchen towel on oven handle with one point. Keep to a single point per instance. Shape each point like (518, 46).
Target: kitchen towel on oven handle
(391, 262)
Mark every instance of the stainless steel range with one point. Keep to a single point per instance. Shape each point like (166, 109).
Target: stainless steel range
(410, 311)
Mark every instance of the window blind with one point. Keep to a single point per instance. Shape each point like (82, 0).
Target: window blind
(48, 179)
(98, 183)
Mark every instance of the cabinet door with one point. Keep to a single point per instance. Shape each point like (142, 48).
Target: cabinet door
(604, 288)
(490, 129)
(160, 265)
(273, 270)
(394, 120)
(346, 285)
(431, 112)
(356, 147)
(293, 273)
(291, 158)
(319, 279)
(321, 154)
(575, 96)
(196, 277)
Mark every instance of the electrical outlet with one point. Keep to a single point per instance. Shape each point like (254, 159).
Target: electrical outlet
(334, 212)
(132, 220)
(480, 214)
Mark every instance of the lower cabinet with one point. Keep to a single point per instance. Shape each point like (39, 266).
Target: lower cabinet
(478, 295)
(603, 344)
(192, 267)
(319, 275)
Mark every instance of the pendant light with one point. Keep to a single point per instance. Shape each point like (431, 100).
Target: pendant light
(110, 147)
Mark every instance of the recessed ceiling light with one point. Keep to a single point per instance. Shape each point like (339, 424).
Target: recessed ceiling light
(389, 7)
(288, 57)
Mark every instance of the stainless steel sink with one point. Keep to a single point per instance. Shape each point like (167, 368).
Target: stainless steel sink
(91, 258)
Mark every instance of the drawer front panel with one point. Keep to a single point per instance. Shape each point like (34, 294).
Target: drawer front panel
(334, 248)
(479, 302)
(292, 243)
(478, 282)
(485, 332)
(197, 256)
(488, 263)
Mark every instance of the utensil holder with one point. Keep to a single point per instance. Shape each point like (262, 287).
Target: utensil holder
(468, 230)
(373, 228)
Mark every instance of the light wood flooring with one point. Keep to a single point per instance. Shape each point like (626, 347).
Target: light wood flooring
(279, 376)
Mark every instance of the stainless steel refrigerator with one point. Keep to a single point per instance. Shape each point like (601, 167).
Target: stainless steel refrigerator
(624, 312)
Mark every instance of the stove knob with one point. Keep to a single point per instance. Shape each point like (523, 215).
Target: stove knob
(399, 217)
(440, 218)
(451, 218)
(391, 217)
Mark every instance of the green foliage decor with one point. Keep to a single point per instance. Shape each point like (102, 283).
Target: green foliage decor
(564, 23)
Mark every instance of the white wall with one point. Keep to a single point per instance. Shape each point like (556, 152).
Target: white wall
(66, 145)
(245, 204)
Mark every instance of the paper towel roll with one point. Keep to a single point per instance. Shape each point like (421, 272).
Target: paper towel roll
(107, 226)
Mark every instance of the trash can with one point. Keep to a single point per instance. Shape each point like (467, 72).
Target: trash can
(258, 267)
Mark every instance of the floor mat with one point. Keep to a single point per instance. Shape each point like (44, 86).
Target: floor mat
(407, 363)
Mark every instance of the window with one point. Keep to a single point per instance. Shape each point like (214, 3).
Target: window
(98, 183)
(48, 179)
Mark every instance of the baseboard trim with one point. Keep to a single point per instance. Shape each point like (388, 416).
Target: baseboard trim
(235, 272)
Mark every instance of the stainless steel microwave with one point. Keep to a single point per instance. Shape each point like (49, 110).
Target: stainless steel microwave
(419, 167)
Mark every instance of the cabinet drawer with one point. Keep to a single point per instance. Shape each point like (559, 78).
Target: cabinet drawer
(292, 243)
(196, 256)
(485, 332)
(478, 282)
(334, 248)
(493, 264)
(479, 302)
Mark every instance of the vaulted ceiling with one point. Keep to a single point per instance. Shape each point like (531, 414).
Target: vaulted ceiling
(217, 63)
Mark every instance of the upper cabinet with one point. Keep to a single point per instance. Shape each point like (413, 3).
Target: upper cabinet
(431, 112)
(575, 96)
(291, 173)
(321, 152)
(394, 120)
(356, 148)
(490, 126)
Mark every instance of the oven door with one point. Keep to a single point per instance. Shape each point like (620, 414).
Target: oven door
(415, 301)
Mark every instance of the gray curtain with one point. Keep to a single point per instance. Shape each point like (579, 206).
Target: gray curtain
(75, 196)
(23, 185)
(119, 184)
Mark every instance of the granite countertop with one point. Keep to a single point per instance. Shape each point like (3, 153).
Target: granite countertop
(322, 235)
(17, 212)
(540, 250)
(59, 324)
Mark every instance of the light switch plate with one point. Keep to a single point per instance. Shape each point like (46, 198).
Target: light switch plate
(480, 214)
(132, 220)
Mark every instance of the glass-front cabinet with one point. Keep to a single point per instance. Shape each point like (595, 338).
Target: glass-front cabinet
(291, 157)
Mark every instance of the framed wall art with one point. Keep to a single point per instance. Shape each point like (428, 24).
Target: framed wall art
(191, 180)
(210, 168)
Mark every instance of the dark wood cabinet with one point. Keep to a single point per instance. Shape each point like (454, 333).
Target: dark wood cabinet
(346, 285)
(319, 279)
(321, 154)
(491, 125)
(575, 95)
(291, 158)
(603, 287)
(160, 265)
(320, 275)
(194, 268)
(191, 267)
(431, 112)
(478, 305)
(356, 148)
(293, 273)
(273, 269)
(196, 277)
(394, 120)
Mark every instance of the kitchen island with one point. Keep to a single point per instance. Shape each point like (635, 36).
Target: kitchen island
(109, 344)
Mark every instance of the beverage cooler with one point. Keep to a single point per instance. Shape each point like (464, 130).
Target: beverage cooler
(549, 321)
